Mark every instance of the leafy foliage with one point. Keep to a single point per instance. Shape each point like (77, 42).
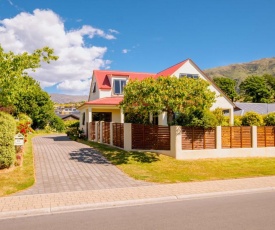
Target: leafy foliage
(256, 89)
(228, 86)
(7, 132)
(166, 94)
(56, 124)
(269, 119)
(19, 91)
(252, 118)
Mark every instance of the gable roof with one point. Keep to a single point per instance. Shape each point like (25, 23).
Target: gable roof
(169, 71)
(102, 77)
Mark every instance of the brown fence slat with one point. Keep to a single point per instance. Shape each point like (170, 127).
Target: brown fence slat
(266, 136)
(92, 133)
(118, 134)
(151, 137)
(237, 137)
(106, 132)
(198, 138)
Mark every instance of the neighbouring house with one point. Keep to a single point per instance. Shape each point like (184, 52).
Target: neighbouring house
(106, 93)
(260, 108)
(69, 117)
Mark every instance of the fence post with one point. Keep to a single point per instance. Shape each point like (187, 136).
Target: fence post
(89, 134)
(111, 134)
(96, 131)
(218, 137)
(128, 136)
(101, 131)
(175, 141)
(254, 137)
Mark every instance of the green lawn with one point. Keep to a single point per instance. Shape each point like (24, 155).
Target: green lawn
(19, 178)
(163, 169)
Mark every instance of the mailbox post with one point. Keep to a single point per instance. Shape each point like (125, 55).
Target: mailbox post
(19, 139)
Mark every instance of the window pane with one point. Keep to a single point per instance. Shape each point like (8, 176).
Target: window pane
(122, 83)
(116, 87)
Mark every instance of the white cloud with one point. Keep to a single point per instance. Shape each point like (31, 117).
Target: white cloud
(125, 51)
(75, 87)
(113, 31)
(27, 32)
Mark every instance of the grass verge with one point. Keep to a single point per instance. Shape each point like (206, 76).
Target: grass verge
(152, 167)
(19, 178)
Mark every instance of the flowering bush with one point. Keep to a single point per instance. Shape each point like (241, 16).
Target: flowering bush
(24, 128)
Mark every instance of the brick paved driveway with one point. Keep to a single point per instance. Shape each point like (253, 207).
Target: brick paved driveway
(63, 165)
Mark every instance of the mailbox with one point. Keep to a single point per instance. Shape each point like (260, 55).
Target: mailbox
(19, 139)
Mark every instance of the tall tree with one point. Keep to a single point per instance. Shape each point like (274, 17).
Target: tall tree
(255, 89)
(167, 94)
(15, 66)
(21, 92)
(228, 86)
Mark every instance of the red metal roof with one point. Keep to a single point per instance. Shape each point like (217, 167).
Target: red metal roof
(105, 101)
(102, 77)
(169, 71)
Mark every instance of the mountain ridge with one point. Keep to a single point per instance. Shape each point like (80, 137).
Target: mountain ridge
(240, 71)
(65, 98)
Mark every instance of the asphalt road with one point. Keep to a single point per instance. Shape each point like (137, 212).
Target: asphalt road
(249, 212)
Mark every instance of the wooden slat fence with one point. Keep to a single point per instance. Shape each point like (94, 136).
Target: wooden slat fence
(118, 134)
(106, 132)
(237, 137)
(92, 130)
(154, 137)
(266, 136)
(198, 138)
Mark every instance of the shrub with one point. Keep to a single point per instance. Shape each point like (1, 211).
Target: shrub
(71, 123)
(7, 132)
(57, 124)
(252, 118)
(24, 118)
(270, 119)
(198, 118)
(237, 121)
(221, 119)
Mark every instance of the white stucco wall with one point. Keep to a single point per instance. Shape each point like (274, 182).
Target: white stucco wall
(221, 101)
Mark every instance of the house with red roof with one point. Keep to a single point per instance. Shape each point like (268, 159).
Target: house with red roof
(106, 92)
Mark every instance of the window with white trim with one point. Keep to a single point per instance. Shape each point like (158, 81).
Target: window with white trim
(118, 85)
(189, 75)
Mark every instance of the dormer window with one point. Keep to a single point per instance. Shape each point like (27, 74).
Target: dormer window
(118, 86)
(188, 75)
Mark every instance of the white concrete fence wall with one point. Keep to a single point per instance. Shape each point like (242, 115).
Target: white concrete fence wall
(176, 145)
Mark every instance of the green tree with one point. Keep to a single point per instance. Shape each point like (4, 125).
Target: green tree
(21, 92)
(13, 67)
(33, 101)
(255, 89)
(167, 94)
(228, 86)
(270, 80)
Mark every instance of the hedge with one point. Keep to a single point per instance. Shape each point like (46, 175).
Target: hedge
(7, 132)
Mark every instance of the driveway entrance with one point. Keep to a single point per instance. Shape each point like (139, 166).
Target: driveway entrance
(63, 165)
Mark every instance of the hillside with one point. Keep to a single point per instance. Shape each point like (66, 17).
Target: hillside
(242, 70)
(64, 98)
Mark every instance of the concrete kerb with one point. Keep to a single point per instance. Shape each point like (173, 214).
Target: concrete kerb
(123, 203)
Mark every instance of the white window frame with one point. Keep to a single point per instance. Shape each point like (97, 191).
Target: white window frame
(120, 85)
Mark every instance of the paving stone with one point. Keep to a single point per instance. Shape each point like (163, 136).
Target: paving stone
(64, 165)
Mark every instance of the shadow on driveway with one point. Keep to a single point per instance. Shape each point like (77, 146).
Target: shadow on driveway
(88, 155)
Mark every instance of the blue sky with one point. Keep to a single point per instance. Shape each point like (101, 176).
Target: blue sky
(141, 36)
